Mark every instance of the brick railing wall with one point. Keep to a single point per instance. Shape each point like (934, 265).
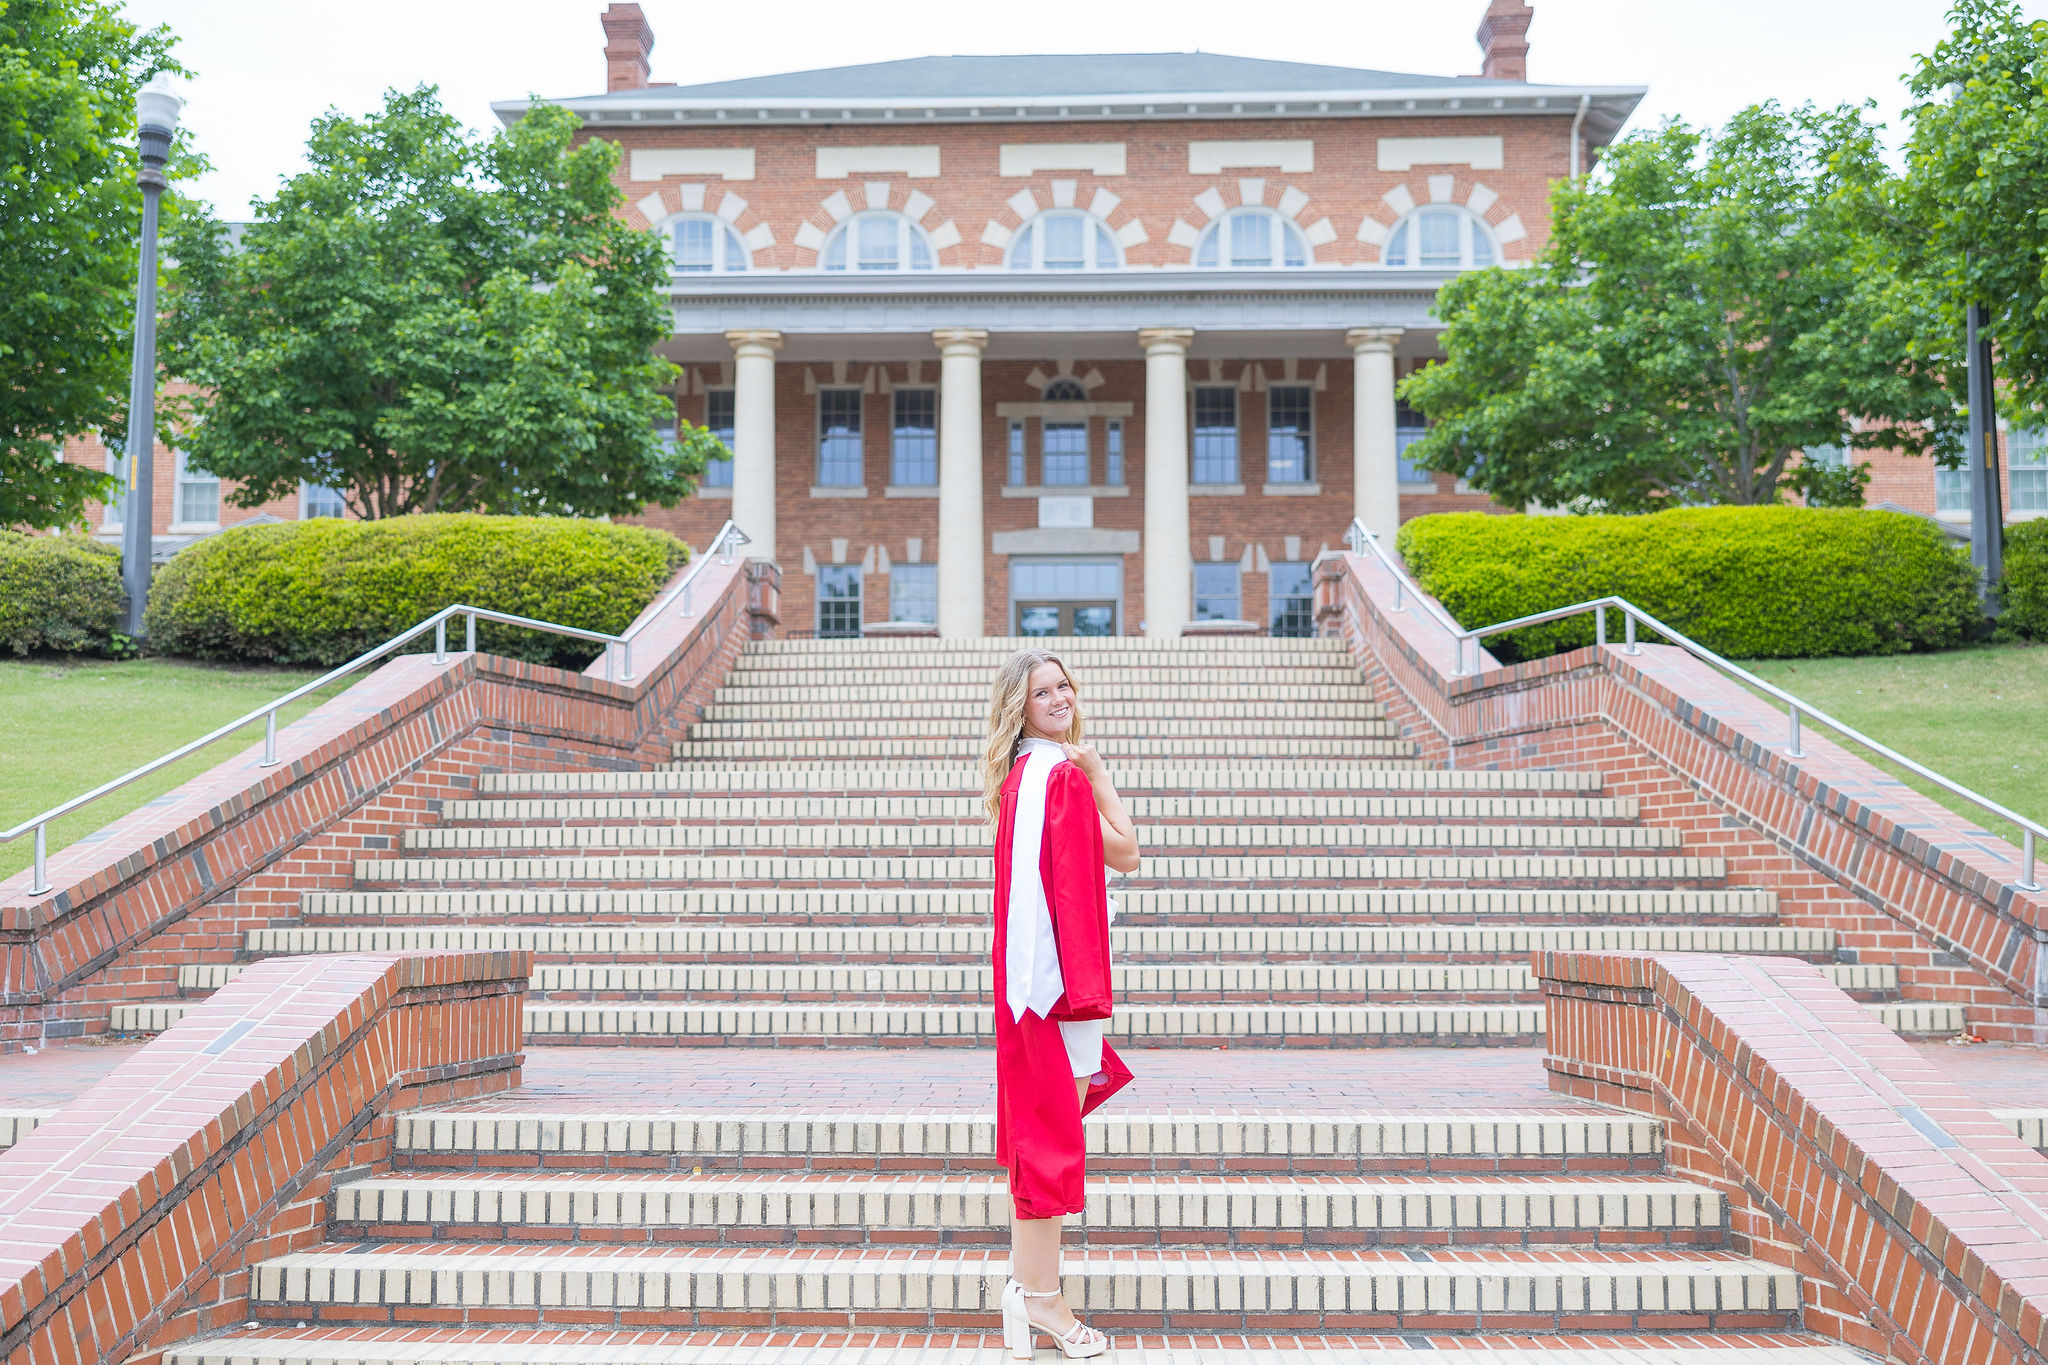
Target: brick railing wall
(1846, 846)
(1919, 1220)
(355, 772)
(131, 1217)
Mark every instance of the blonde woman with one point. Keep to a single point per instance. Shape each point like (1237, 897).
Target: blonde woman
(1058, 825)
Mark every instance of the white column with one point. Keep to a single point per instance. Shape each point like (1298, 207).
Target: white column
(1169, 566)
(1375, 477)
(753, 437)
(962, 612)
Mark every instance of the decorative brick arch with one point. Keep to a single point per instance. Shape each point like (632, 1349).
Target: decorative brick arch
(1249, 192)
(1048, 192)
(1476, 198)
(720, 202)
(873, 195)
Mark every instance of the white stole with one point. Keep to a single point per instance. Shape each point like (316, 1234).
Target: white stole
(1031, 961)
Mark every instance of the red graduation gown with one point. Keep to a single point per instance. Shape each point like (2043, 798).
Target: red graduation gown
(1038, 1122)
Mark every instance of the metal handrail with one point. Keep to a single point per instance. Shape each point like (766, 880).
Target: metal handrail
(722, 546)
(1361, 541)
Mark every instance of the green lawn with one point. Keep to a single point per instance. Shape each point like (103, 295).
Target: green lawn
(66, 727)
(1976, 716)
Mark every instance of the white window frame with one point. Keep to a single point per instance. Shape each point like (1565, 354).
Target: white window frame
(860, 437)
(1027, 248)
(896, 436)
(182, 479)
(899, 573)
(1197, 596)
(2026, 453)
(1403, 240)
(725, 238)
(306, 492)
(1308, 455)
(111, 510)
(1952, 493)
(910, 239)
(724, 434)
(1220, 236)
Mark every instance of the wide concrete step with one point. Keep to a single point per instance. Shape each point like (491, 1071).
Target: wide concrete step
(1156, 1290)
(742, 1024)
(959, 777)
(626, 869)
(754, 1025)
(667, 944)
(1142, 688)
(383, 1346)
(1164, 736)
(1566, 1140)
(1137, 983)
(957, 838)
(965, 808)
(804, 742)
(1225, 676)
(1147, 651)
(742, 1210)
(1171, 713)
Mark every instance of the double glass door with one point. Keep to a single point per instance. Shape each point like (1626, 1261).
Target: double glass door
(1066, 618)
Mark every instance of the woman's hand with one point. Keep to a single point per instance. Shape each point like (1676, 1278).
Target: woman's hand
(1084, 757)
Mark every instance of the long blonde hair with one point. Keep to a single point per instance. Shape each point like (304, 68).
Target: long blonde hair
(1006, 721)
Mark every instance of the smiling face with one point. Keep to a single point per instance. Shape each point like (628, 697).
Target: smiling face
(1049, 703)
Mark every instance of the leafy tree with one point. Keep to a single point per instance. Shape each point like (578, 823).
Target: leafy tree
(1704, 310)
(69, 217)
(1970, 216)
(428, 321)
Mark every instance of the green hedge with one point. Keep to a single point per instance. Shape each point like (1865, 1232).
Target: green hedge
(59, 593)
(322, 592)
(1750, 582)
(2025, 586)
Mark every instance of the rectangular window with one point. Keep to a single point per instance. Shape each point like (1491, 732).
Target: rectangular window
(315, 501)
(1065, 242)
(914, 458)
(718, 421)
(1215, 434)
(117, 465)
(1825, 457)
(1290, 433)
(839, 438)
(1217, 597)
(1409, 427)
(1065, 453)
(878, 242)
(1251, 243)
(1015, 476)
(914, 593)
(1113, 475)
(838, 601)
(1290, 601)
(1952, 490)
(198, 496)
(693, 246)
(2026, 458)
(1440, 239)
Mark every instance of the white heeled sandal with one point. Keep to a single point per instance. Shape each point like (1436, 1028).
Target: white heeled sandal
(1081, 1342)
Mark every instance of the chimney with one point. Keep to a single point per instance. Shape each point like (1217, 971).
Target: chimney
(1503, 40)
(627, 41)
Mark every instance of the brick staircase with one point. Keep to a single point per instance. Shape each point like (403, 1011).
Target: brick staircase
(810, 873)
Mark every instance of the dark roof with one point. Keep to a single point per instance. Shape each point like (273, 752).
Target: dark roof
(1040, 77)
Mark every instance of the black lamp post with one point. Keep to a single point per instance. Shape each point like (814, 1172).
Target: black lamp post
(156, 116)
(1987, 505)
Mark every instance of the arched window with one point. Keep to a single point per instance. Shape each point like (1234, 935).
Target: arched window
(1064, 390)
(1440, 238)
(876, 241)
(700, 244)
(1064, 241)
(1251, 239)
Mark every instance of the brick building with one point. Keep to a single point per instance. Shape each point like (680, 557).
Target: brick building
(1093, 344)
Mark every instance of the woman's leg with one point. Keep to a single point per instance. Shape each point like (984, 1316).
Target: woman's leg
(1035, 1257)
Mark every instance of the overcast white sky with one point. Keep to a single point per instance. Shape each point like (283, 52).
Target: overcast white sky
(264, 68)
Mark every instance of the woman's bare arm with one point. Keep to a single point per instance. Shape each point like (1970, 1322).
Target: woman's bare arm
(1119, 834)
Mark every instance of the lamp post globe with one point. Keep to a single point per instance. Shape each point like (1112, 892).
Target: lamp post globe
(156, 120)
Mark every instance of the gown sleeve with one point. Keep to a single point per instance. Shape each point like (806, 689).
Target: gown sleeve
(1076, 894)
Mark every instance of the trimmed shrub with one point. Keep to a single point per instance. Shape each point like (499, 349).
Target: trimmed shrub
(59, 593)
(321, 592)
(1748, 582)
(2024, 589)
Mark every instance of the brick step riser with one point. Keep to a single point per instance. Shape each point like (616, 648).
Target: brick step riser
(680, 880)
(1079, 1234)
(1331, 959)
(1256, 778)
